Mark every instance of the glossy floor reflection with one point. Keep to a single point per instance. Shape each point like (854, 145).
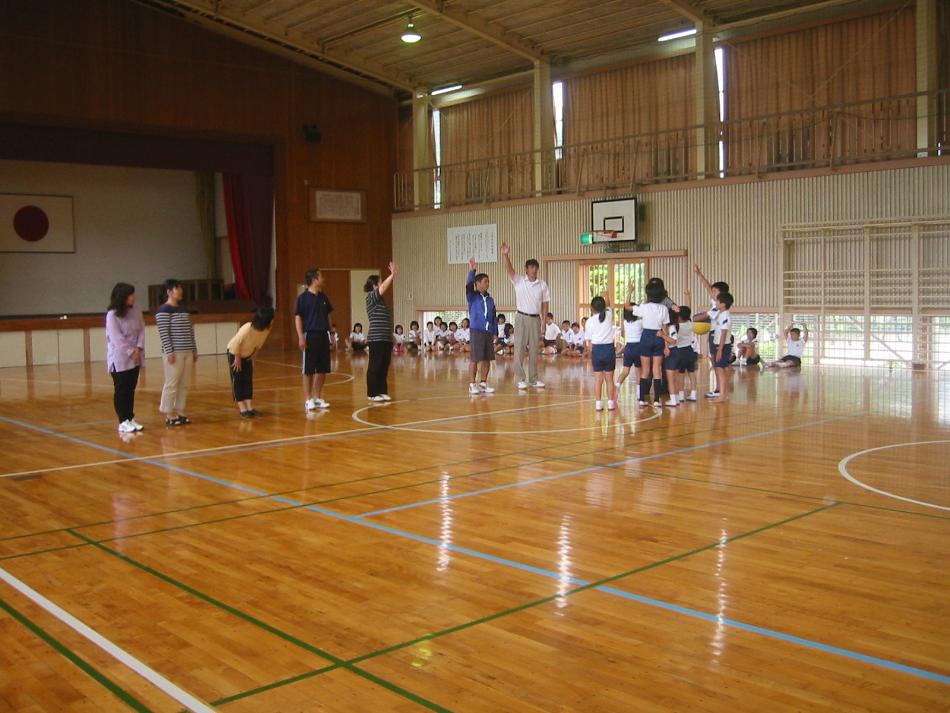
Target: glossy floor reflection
(511, 552)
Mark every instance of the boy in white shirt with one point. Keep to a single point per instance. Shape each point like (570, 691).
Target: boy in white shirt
(577, 339)
(748, 348)
(551, 333)
(567, 344)
(722, 345)
(463, 335)
(429, 337)
(795, 346)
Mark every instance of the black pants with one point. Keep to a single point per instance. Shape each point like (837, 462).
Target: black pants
(124, 397)
(242, 382)
(377, 371)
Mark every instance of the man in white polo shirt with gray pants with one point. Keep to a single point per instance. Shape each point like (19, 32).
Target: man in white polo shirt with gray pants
(532, 298)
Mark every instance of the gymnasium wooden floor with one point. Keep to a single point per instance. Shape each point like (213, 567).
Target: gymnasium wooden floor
(513, 552)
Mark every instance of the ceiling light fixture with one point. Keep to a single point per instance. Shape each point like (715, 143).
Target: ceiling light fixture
(445, 90)
(676, 35)
(411, 35)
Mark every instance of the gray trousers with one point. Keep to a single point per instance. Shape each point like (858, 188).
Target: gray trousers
(527, 335)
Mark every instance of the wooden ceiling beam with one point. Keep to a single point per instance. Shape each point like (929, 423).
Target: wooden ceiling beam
(204, 12)
(690, 10)
(489, 31)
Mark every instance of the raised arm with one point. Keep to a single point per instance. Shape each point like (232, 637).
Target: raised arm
(805, 333)
(505, 252)
(702, 278)
(470, 283)
(384, 285)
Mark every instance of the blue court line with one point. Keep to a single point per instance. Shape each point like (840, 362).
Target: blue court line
(591, 469)
(771, 633)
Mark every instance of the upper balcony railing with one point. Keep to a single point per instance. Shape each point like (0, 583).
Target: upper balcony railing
(882, 129)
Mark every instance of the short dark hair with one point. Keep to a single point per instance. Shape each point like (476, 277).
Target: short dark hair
(629, 316)
(119, 300)
(720, 286)
(170, 284)
(532, 263)
(567, 322)
(685, 313)
(357, 324)
(726, 299)
(550, 315)
(413, 322)
(574, 324)
(479, 277)
(398, 327)
(439, 317)
(656, 293)
(453, 324)
(311, 275)
(755, 332)
(262, 318)
(429, 324)
(795, 329)
(502, 316)
(372, 282)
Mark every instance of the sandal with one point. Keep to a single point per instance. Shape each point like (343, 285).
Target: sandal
(183, 420)
(172, 422)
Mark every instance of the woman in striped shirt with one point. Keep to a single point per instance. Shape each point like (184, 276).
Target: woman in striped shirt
(380, 335)
(179, 352)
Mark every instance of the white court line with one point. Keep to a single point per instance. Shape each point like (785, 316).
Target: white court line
(404, 426)
(843, 469)
(236, 446)
(149, 674)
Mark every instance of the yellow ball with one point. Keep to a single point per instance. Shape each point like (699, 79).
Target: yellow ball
(701, 327)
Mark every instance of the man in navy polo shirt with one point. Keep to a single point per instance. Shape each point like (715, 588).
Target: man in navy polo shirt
(312, 319)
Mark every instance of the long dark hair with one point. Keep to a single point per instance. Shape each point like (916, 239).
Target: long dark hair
(598, 305)
(119, 301)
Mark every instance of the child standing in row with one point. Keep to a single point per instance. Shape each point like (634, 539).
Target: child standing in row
(599, 337)
(482, 320)
(632, 331)
(722, 345)
(655, 317)
(681, 358)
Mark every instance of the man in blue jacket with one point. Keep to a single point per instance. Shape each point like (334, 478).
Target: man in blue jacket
(481, 317)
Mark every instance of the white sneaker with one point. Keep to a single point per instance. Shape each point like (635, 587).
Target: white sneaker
(473, 389)
(611, 406)
(537, 384)
(376, 398)
(320, 403)
(126, 427)
(598, 405)
(742, 362)
(712, 395)
(671, 402)
(680, 397)
(657, 404)
(485, 388)
(386, 397)
(692, 395)
(136, 425)
(522, 385)
(310, 404)
(641, 402)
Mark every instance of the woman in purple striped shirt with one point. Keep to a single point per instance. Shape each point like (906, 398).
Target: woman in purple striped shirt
(125, 346)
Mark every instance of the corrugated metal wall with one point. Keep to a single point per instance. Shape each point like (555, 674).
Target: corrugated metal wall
(732, 231)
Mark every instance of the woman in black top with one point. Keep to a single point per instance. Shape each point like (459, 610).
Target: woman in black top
(380, 335)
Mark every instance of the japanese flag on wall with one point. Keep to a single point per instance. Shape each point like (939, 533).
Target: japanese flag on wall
(36, 224)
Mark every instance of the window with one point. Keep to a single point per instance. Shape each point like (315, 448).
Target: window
(557, 90)
(437, 133)
(721, 80)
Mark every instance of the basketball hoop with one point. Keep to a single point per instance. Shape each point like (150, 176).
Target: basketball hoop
(599, 236)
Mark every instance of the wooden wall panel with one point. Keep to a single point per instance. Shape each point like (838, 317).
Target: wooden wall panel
(114, 64)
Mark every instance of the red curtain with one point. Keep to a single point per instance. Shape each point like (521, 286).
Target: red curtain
(249, 206)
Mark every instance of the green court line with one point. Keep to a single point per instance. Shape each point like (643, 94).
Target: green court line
(649, 429)
(87, 668)
(276, 684)
(290, 638)
(535, 603)
(652, 429)
(40, 552)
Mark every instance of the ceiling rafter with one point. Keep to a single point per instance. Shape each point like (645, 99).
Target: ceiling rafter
(490, 31)
(691, 11)
(264, 27)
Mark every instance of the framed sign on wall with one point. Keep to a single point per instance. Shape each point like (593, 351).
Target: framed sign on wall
(332, 206)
